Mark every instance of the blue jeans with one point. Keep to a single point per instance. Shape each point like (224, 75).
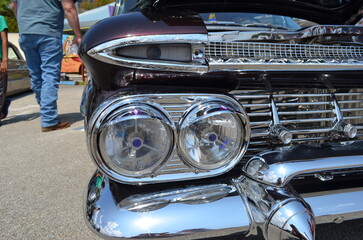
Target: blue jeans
(43, 58)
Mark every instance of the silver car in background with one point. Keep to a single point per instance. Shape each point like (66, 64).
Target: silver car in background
(18, 74)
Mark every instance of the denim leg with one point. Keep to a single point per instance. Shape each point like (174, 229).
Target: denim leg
(51, 57)
(30, 49)
(44, 55)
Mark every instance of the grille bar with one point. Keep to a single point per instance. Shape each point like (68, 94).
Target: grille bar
(282, 51)
(308, 114)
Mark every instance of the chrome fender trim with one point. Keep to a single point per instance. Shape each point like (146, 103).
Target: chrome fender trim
(278, 167)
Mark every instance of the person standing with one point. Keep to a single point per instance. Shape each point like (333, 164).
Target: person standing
(40, 25)
(4, 102)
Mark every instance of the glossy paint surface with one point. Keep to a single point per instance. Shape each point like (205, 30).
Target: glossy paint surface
(141, 24)
(333, 12)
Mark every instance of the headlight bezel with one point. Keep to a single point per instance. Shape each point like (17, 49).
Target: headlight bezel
(100, 119)
(182, 101)
(208, 109)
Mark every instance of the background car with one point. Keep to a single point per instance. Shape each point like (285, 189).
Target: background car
(18, 74)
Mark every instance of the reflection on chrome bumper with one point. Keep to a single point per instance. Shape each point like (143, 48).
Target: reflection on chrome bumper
(240, 206)
(243, 207)
(278, 167)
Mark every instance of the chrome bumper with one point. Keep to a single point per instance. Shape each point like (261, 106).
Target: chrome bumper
(243, 206)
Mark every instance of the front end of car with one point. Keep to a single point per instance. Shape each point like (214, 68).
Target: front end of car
(202, 127)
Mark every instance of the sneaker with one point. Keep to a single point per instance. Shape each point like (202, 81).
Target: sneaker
(5, 109)
(58, 126)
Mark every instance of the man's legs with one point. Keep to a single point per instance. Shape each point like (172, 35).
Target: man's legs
(29, 45)
(44, 55)
(51, 54)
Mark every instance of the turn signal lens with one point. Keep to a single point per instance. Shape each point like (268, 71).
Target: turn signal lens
(166, 52)
(213, 135)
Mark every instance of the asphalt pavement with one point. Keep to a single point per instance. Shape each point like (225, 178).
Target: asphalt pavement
(43, 175)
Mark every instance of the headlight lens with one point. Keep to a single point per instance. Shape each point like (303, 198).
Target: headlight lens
(213, 135)
(135, 140)
(166, 52)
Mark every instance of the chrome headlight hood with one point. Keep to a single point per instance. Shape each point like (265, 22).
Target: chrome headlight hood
(147, 139)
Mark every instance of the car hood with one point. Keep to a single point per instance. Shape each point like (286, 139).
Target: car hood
(319, 11)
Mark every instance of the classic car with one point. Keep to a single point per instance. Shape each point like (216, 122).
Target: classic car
(218, 119)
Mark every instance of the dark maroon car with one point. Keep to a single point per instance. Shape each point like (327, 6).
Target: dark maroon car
(211, 119)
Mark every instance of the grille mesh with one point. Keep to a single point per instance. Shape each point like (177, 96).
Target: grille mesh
(308, 114)
(267, 51)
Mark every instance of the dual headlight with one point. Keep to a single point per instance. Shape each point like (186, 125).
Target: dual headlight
(133, 139)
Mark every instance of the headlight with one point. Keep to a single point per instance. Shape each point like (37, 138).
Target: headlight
(170, 137)
(213, 134)
(134, 140)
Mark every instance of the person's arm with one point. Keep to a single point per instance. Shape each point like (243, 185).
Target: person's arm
(4, 62)
(14, 6)
(71, 14)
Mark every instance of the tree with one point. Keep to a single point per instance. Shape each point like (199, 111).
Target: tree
(6, 11)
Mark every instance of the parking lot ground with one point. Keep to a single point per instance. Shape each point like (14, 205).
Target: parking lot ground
(43, 175)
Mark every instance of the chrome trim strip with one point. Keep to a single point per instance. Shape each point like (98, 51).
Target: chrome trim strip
(105, 52)
(118, 7)
(215, 65)
(278, 167)
(244, 95)
(336, 206)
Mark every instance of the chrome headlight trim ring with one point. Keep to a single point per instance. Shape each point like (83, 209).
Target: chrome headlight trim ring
(215, 108)
(113, 112)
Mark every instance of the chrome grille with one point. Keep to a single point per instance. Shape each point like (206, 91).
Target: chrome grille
(267, 51)
(308, 114)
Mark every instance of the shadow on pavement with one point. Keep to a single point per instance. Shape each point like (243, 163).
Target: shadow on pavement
(20, 118)
(71, 117)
